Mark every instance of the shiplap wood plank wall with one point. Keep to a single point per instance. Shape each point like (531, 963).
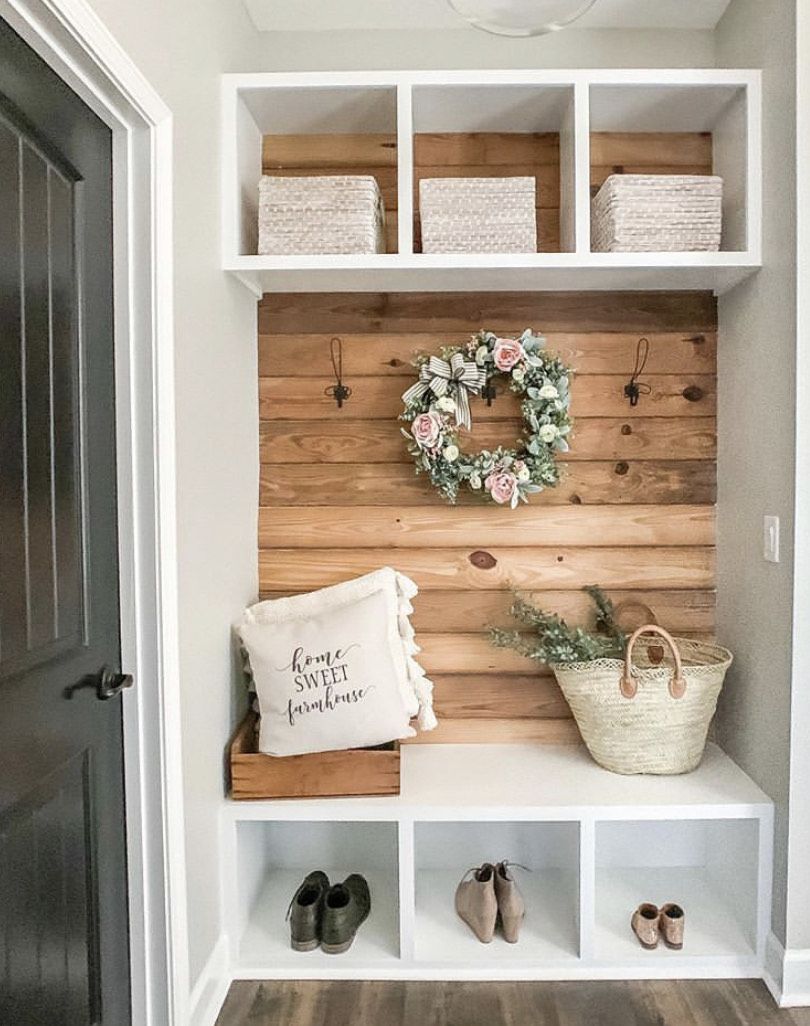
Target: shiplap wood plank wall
(635, 511)
(485, 155)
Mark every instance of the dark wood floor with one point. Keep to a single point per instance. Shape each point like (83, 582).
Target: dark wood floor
(698, 1003)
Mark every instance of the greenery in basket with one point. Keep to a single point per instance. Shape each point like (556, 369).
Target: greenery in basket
(555, 641)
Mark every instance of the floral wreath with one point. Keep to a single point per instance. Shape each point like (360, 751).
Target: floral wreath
(437, 407)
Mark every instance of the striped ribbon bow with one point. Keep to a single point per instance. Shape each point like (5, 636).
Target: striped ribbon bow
(438, 375)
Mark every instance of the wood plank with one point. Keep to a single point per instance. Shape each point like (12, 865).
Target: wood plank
(592, 395)
(494, 569)
(330, 150)
(373, 441)
(506, 696)
(437, 527)
(461, 652)
(500, 732)
(393, 355)
(357, 313)
(651, 148)
(677, 482)
(491, 148)
(681, 612)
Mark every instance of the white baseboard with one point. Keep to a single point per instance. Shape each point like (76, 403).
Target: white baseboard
(209, 992)
(787, 974)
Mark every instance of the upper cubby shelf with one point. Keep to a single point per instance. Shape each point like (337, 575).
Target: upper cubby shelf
(568, 130)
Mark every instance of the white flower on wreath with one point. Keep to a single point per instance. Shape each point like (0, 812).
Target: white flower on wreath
(518, 374)
(481, 355)
(475, 481)
(548, 392)
(523, 473)
(450, 453)
(446, 404)
(548, 432)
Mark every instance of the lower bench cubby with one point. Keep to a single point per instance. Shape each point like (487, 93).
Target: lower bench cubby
(549, 884)
(595, 844)
(708, 867)
(272, 860)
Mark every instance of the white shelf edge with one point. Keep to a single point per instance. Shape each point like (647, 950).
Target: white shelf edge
(389, 811)
(704, 968)
(563, 272)
(539, 76)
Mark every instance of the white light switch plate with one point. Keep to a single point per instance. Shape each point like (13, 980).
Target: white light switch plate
(770, 539)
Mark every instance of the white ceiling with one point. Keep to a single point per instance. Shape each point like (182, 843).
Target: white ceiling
(334, 15)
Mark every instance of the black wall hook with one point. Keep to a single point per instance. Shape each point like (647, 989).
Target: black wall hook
(339, 392)
(635, 388)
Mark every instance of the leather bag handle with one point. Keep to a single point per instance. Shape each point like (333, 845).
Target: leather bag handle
(628, 684)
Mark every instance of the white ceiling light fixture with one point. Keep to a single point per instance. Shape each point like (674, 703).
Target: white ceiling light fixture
(521, 17)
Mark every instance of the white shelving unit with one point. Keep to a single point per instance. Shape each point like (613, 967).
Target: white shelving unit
(597, 844)
(571, 103)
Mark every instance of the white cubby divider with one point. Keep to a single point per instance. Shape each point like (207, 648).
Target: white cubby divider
(597, 843)
(571, 103)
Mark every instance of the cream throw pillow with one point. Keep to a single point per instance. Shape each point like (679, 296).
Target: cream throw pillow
(334, 669)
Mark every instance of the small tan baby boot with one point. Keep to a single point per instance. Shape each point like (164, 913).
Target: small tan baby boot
(645, 925)
(671, 925)
(476, 903)
(511, 907)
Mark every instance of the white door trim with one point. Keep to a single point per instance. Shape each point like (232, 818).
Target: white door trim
(75, 43)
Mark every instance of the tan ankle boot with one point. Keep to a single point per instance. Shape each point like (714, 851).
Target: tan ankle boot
(671, 925)
(511, 907)
(476, 903)
(645, 925)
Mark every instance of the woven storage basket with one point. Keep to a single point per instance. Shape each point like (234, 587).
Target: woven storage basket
(657, 213)
(478, 215)
(644, 715)
(320, 214)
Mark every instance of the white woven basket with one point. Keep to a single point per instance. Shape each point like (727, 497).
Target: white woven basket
(320, 214)
(643, 714)
(478, 215)
(657, 213)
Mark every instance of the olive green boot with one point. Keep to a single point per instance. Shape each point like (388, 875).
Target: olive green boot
(346, 908)
(305, 913)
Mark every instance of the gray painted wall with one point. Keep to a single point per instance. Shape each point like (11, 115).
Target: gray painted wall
(376, 49)
(756, 418)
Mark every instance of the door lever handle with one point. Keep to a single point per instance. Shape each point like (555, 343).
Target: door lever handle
(107, 684)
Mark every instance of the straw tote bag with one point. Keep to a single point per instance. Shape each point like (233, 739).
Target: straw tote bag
(651, 712)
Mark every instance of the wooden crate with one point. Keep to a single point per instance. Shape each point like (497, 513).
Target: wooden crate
(359, 771)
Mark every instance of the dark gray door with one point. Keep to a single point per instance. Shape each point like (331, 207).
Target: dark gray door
(63, 889)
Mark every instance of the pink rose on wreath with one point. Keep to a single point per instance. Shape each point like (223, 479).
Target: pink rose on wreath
(507, 353)
(426, 429)
(501, 486)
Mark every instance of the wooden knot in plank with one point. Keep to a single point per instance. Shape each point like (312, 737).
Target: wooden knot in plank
(483, 560)
(621, 468)
(692, 393)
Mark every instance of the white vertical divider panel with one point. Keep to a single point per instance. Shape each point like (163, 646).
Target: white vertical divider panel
(730, 160)
(754, 168)
(229, 175)
(568, 190)
(407, 891)
(764, 881)
(582, 166)
(587, 888)
(405, 131)
(232, 909)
